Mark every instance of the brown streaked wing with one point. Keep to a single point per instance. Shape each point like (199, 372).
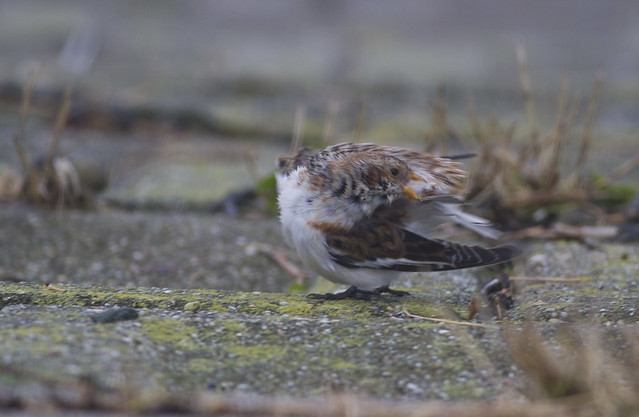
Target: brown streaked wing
(380, 236)
(382, 243)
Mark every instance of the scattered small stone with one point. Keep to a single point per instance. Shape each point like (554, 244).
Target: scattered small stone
(115, 314)
(54, 287)
(193, 306)
(537, 264)
(414, 388)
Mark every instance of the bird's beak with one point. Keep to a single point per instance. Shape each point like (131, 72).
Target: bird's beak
(409, 191)
(416, 177)
(411, 194)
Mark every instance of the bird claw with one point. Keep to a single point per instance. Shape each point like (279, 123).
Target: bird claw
(357, 294)
(398, 293)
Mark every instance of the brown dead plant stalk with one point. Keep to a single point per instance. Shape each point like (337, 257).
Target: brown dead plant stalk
(581, 372)
(52, 180)
(544, 175)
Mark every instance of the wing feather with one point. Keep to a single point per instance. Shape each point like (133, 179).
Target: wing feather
(381, 243)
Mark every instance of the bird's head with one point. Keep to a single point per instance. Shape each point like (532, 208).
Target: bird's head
(381, 179)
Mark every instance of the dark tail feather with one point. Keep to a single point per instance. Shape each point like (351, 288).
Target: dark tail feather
(441, 255)
(460, 156)
(464, 256)
(423, 254)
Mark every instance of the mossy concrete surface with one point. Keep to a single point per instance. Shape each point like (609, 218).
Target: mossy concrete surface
(225, 341)
(264, 343)
(275, 343)
(215, 313)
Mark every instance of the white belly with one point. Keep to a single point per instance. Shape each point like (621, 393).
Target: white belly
(309, 243)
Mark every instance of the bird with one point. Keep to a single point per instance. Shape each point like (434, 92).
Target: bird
(359, 214)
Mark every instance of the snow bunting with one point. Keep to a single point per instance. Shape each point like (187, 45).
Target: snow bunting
(359, 214)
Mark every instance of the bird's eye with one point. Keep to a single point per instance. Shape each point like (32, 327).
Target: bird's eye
(394, 171)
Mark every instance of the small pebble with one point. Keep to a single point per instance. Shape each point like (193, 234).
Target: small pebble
(115, 314)
(193, 306)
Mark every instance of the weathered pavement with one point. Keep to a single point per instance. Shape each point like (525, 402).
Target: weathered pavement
(214, 311)
(231, 341)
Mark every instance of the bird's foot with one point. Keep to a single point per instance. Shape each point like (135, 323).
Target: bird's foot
(351, 292)
(398, 293)
(499, 292)
(358, 294)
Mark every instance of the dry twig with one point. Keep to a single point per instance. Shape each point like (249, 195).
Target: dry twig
(60, 123)
(526, 90)
(543, 178)
(447, 321)
(547, 279)
(280, 256)
(586, 138)
(563, 231)
(329, 123)
(361, 119)
(298, 126)
(25, 103)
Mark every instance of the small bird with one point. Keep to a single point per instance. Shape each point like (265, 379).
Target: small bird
(360, 213)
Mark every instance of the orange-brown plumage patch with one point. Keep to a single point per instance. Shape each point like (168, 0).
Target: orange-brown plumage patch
(329, 227)
(380, 236)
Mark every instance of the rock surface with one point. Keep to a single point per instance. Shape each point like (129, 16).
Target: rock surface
(269, 342)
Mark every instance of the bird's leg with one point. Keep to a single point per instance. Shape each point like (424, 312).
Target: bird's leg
(499, 291)
(358, 294)
(351, 292)
(398, 293)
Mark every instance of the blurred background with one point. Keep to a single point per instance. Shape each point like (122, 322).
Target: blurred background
(156, 71)
(176, 52)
